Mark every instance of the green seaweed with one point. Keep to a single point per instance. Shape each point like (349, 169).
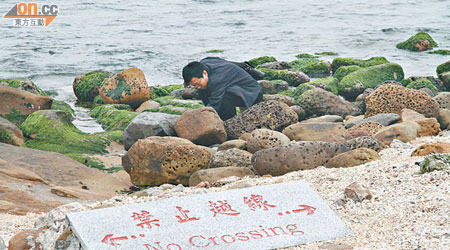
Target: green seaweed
(422, 83)
(445, 67)
(19, 83)
(326, 53)
(92, 162)
(305, 55)
(113, 116)
(341, 72)
(328, 83)
(444, 52)
(6, 137)
(285, 75)
(310, 66)
(261, 60)
(410, 44)
(61, 105)
(121, 87)
(159, 91)
(15, 117)
(215, 51)
(342, 61)
(84, 90)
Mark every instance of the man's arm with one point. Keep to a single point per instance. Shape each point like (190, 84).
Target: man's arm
(216, 98)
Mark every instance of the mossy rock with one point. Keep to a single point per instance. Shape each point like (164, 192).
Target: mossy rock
(86, 87)
(23, 84)
(261, 60)
(445, 67)
(6, 137)
(305, 55)
(299, 91)
(215, 51)
(113, 116)
(356, 82)
(435, 162)
(444, 52)
(15, 117)
(61, 105)
(422, 83)
(175, 102)
(342, 61)
(290, 77)
(52, 130)
(414, 43)
(341, 72)
(159, 91)
(328, 83)
(326, 53)
(310, 66)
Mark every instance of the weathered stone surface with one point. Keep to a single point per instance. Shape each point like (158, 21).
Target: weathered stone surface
(435, 162)
(265, 138)
(281, 98)
(272, 115)
(157, 160)
(232, 158)
(238, 143)
(214, 174)
(22, 101)
(393, 99)
(24, 240)
(319, 102)
(189, 93)
(10, 133)
(404, 131)
(445, 78)
(428, 126)
(432, 148)
(383, 119)
(150, 104)
(443, 100)
(444, 118)
(202, 126)
(86, 87)
(273, 87)
(365, 142)
(357, 192)
(299, 111)
(295, 156)
(371, 127)
(149, 124)
(325, 118)
(313, 131)
(127, 87)
(353, 158)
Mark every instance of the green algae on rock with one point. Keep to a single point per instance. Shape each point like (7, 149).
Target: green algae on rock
(345, 70)
(422, 83)
(291, 77)
(311, 66)
(328, 83)
(442, 68)
(215, 51)
(173, 101)
(86, 87)
(435, 162)
(356, 82)
(419, 42)
(113, 116)
(305, 55)
(444, 52)
(261, 60)
(326, 53)
(342, 61)
(158, 91)
(23, 84)
(61, 105)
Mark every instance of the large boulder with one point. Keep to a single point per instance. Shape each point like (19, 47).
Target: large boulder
(273, 87)
(444, 118)
(265, 138)
(272, 115)
(443, 100)
(313, 67)
(419, 42)
(149, 124)
(384, 119)
(157, 160)
(293, 78)
(86, 87)
(295, 156)
(150, 104)
(214, 174)
(202, 126)
(19, 102)
(313, 131)
(318, 102)
(404, 131)
(127, 87)
(324, 118)
(353, 158)
(356, 82)
(342, 61)
(371, 127)
(10, 133)
(393, 99)
(232, 158)
(428, 126)
(365, 142)
(282, 98)
(432, 148)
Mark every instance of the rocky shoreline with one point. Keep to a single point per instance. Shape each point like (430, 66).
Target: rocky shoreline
(374, 145)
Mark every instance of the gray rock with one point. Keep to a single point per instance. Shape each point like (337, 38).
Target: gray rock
(214, 174)
(428, 91)
(383, 119)
(365, 142)
(149, 124)
(281, 98)
(232, 158)
(2, 244)
(265, 138)
(272, 115)
(178, 93)
(295, 156)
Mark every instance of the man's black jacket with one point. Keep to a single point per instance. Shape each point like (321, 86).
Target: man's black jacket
(227, 77)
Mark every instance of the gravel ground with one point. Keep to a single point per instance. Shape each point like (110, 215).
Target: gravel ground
(408, 211)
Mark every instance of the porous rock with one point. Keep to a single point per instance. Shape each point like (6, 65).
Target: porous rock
(353, 158)
(432, 148)
(443, 100)
(383, 119)
(281, 98)
(232, 158)
(365, 142)
(313, 131)
(214, 174)
(264, 138)
(371, 127)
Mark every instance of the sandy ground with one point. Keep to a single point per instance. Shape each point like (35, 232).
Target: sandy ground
(408, 211)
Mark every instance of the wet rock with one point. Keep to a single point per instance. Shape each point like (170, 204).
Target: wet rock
(150, 104)
(86, 87)
(405, 132)
(365, 142)
(271, 115)
(313, 131)
(435, 162)
(264, 138)
(357, 192)
(427, 91)
(295, 156)
(158, 160)
(444, 118)
(293, 78)
(419, 42)
(329, 84)
(10, 133)
(311, 66)
(149, 124)
(281, 98)
(393, 99)
(178, 93)
(383, 119)
(353, 158)
(428, 126)
(273, 87)
(341, 61)
(238, 143)
(127, 87)
(371, 127)
(214, 174)
(443, 100)
(202, 126)
(432, 148)
(232, 158)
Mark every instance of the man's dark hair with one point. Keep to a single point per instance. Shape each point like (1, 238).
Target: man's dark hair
(193, 69)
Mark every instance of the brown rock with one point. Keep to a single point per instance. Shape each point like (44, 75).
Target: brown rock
(238, 143)
(352, 134)
(22, 101)
(150, 104)
(244, 136)
(428, 126)
(444, 118)
(157, 160)
(10, 133)
(389, 98)
(265, 138)
(214, 174)
(313, 131)
(353, 158)
(357, 192)
(127, 87)
(432, 148)
(232, 158)
(25, 240)
(202, 126)
(281, 98)
(423, 45)
(371, 127)
(405, 132)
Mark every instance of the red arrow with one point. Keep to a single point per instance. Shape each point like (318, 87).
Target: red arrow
(110, 241)
(310, 209)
